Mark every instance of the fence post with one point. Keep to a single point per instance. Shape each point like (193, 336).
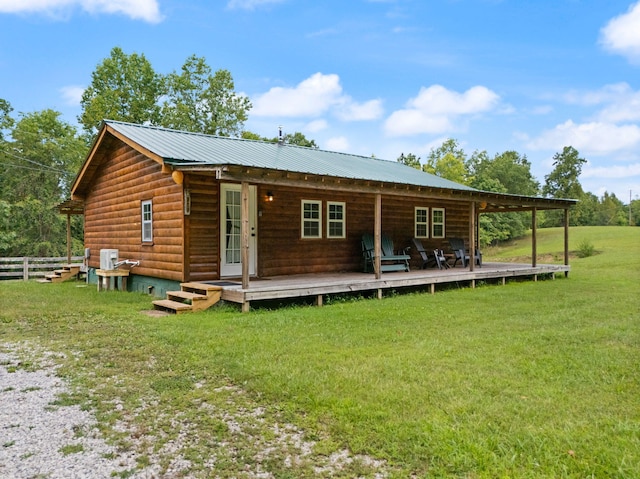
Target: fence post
(25, 268)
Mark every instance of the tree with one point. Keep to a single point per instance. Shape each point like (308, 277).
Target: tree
(299, 139)
(6, 121)
(201, 102)
(563, 182)
(123, 87)
(410, 160)
(296, 138)
(612, 211)
(38, 165)
(510, 169)
(635, 212)
(448, 161)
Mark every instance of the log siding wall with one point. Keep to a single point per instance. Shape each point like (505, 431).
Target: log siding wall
(186, 247)
(202, 230)
(282, 251)
(124, 179)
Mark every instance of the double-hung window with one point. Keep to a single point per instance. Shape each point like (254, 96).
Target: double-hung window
(421, 224)
(147, 221)
(336, 217)
(437, 222)
(311, 218)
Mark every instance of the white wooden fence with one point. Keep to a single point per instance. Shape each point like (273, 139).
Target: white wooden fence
(28, 268)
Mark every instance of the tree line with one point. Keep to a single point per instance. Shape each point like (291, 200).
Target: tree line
(510, 172)
(40, 153)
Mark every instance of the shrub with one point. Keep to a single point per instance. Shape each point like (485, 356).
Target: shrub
(585, 249)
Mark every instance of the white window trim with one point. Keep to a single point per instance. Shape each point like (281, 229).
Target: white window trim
(303, 219)
(415, 222)
(145, 222)
(342, 221)
(434, 224)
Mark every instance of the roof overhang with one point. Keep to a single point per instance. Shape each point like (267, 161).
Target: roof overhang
(487, 202)
(71, 207)
(97, 154)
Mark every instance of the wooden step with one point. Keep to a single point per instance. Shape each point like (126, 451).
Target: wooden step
(191, 297)
(185, 296)
(53, 278)
(172, 306)
(201, 288)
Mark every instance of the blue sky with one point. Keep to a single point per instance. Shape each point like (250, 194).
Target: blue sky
(379, 77)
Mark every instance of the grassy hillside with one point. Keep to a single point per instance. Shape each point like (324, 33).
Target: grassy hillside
(524, 380)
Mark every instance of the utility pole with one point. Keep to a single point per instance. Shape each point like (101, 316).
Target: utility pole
(630, 222)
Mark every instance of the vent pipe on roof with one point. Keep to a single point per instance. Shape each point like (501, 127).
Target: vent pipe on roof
(280, 137)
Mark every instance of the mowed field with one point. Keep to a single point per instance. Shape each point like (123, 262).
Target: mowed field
(529, 379)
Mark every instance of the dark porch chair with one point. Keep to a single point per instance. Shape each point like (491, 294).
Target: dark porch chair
(461, 254)
(426, 260)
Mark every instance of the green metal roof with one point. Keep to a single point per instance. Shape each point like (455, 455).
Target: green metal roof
(181, 148)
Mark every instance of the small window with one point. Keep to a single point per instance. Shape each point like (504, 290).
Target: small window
(147, 221)
(437, 222)
(311, 219)
(421, 229)
(336, 219)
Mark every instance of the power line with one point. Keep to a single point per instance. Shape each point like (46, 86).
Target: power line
(43, 166)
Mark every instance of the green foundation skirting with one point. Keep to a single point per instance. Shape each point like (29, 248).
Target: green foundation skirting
(157, 287)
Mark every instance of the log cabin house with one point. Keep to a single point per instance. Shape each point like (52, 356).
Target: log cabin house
(198, 208)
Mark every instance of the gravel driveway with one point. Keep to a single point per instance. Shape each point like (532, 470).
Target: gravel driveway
(41, 437)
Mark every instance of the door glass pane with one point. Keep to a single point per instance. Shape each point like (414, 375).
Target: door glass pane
(232, 240)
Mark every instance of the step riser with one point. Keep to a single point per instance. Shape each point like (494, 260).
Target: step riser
(192, 297)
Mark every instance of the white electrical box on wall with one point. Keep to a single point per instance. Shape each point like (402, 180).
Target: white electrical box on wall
(108, 258)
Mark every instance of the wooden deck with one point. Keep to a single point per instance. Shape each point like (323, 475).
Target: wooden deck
(317, 285)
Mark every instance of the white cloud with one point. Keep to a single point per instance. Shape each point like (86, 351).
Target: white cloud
(72, 94)
(313, 97)
(147, 10)
(339, 143)
(622, 34)
(316, 126)
(596, 138)
(250, 4)
(619, 101)
(624, 108)
(351, 111)
(436, 108)
(606, 94)
(614, 171)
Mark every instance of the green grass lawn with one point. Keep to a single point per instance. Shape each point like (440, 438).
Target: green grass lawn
(531, 379)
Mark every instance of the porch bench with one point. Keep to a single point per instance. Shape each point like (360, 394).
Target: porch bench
(389, 261)
(391, 267)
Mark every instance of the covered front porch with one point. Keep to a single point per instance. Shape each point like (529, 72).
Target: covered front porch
(316, 286)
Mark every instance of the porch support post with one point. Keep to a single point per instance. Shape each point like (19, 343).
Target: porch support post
(377, 236)
(68, 238)
(566, 240)
(472, 235)
(534, 238)
(244, 234)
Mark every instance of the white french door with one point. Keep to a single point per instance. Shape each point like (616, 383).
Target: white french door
(230, 230)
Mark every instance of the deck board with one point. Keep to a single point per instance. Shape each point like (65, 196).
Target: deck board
(296, 286)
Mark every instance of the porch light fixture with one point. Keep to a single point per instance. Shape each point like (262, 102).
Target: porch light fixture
(483, 205)
(269, 196)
